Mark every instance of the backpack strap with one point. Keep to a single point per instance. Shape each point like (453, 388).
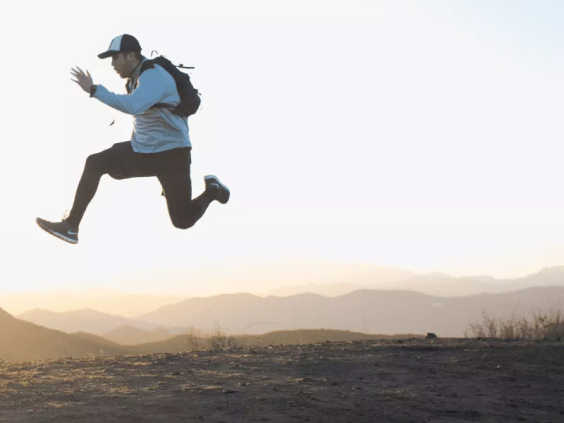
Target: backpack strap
(131, 83)
(189, 96)
(147, 64)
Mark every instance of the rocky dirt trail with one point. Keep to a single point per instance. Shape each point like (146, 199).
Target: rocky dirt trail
(369, 381)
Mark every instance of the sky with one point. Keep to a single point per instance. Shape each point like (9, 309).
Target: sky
(425, 136)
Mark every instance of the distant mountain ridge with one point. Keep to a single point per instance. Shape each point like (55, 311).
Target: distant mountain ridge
(101, 299)
(403, 310)
(436, 283)
(85, 320)
(445, 285)
(367, 311)
(345, 280)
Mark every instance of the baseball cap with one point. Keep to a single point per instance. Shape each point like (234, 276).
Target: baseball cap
(121, 43)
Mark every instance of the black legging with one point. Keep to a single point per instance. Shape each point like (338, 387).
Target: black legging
(171, 167)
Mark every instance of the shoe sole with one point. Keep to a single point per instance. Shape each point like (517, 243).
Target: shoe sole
(56, 234)
(215, 180)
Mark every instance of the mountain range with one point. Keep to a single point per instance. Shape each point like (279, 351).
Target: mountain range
(40, 334)
(368, 311)
(437, 284)
(24, 341)
(323, 279)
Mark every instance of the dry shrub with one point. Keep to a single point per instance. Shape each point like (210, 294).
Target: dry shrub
(540, 326)
(193, 338)
(220, 341)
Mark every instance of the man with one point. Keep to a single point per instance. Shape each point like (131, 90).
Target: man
(160, 145)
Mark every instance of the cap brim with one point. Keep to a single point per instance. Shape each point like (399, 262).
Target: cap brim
(108, 53)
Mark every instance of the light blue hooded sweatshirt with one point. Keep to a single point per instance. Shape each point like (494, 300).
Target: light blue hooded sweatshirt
(154, 129)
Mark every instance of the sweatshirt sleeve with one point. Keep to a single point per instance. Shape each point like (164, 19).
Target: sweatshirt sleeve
(150, 90)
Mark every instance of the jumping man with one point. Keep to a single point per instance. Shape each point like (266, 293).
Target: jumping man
(160, 145)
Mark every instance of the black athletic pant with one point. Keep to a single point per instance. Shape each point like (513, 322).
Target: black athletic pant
(171, 167)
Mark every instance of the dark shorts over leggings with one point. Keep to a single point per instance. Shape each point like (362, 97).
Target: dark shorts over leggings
(122, 162)
(171, 167)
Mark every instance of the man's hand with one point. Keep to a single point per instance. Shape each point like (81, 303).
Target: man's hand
(82, 79)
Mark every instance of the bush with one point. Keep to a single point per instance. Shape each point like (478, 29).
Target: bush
(220, 341)
(540, 326)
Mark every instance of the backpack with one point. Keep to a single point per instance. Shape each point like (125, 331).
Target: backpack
(189, 96)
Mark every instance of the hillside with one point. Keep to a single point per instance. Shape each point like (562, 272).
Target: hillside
(129, 335)
(24, 341)
(311, 336)
(181, 343)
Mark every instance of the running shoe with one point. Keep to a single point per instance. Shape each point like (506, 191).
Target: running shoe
(222, 193)
(62, 230)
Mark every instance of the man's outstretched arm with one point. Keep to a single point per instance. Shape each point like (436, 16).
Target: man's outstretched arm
(150, 91)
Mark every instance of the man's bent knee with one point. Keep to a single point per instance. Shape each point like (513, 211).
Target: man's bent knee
(183, 224)
(95, 164)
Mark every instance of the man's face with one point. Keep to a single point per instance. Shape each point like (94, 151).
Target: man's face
(124, 63)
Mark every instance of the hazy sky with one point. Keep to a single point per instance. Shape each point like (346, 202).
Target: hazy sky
(425, 135)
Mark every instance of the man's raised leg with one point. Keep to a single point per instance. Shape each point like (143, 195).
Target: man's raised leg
(96, 165)
(185, 212)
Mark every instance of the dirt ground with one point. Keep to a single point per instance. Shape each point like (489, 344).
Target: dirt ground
(369, 381)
